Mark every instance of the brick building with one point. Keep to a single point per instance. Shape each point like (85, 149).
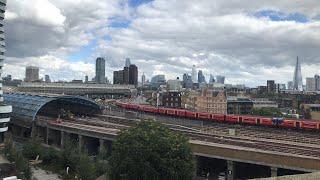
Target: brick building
(213, 101)
(171, 99)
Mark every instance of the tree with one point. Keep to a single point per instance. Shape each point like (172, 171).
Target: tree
(33, 148)
(86, 168)
(150, 151)
(266, 111)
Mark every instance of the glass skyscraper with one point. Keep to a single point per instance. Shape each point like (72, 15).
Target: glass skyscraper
(297, 77)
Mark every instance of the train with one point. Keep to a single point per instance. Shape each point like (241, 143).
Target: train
(228, 118)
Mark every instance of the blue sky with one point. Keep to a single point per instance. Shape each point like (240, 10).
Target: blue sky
(279, 16)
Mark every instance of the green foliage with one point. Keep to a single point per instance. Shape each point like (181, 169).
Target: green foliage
(70, 155)
(101, 163)
(9, 151)
(151, 151)
(86, 168)
(51, 156)
(266, 111)
(33, 148)
(17, 159)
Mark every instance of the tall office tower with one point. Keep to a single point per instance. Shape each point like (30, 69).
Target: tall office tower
(118, 77)
(194, 74)
(317, 82)
(297, 77)
(5, 110)
(220, 79)
(143, 79)
(32, 74)
(128, 63)
(100, 71)
(47, 79)
(133, 75)
(311, 84)
(186, 81)
(211, 79)
(126, 75)
(86, 79)
(271, 86)
(290, 85)
(201, 78)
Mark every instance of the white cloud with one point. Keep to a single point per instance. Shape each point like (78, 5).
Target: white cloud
(165, 37)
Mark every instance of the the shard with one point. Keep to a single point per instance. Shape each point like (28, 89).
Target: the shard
(297, 77)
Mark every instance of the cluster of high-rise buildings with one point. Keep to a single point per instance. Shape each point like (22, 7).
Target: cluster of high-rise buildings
(127, 75)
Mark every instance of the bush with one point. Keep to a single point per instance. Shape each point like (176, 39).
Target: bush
(33, 148)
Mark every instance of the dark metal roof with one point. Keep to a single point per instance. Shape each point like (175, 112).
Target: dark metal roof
(27, 106)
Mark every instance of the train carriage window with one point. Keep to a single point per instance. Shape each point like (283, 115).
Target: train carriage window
(305, 124)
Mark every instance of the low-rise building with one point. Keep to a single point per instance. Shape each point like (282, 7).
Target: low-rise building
(312, 111)
(239, 105)
(264, 102)
(213, 100)
(171, 98)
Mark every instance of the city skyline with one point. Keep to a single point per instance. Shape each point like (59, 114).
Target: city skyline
(265, 48)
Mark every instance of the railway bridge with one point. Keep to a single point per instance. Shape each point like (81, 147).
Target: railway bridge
(220, 141)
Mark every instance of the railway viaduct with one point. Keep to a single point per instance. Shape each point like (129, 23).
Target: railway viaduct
(28, 120)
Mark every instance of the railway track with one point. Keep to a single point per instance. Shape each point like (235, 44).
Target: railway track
(292, 149)
(247, 137)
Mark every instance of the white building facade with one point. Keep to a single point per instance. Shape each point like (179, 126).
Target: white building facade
(5, 110)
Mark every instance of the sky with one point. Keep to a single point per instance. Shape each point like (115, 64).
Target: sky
(248, 41)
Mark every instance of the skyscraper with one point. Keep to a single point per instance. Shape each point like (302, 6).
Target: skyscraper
(201, 78)
(32, 74)
(220, 79)
(100, 71)
(317, 82)
(297, 77)
(118, 77)
(290, 85)
(194, 74)
(47, 79)
(271, 86)
(186, 81)
(5, 110)
(143, 79)
(128, 63)
(86, 79)
(211, 79)
(311, 84)
(133, 74)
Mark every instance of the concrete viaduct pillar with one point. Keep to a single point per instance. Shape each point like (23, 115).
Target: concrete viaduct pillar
(231, 170)
(80, 143)
(63, 134)
(101, 145)
(47, 136)
(274, 171)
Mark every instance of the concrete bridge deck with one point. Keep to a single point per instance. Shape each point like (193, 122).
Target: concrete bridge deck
(205, 147)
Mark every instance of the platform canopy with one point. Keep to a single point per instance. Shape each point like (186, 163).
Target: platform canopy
(27, 106)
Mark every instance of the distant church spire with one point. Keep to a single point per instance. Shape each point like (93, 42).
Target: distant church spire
(297, 77)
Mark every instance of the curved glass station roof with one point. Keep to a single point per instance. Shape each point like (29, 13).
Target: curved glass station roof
(26, 106)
